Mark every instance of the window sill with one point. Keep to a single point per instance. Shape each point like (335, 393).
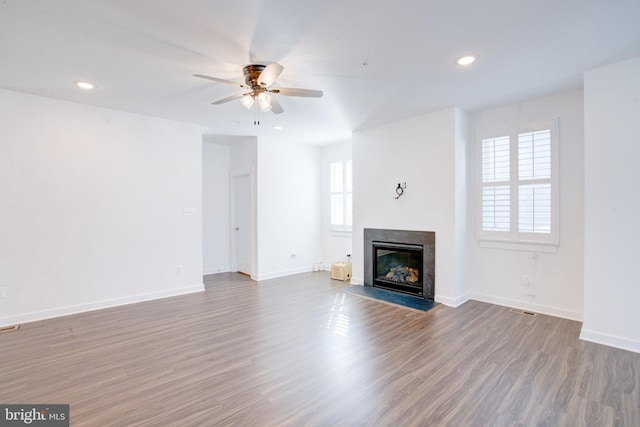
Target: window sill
(520, 246)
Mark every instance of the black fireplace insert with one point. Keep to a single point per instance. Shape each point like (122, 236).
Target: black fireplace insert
(398, 267)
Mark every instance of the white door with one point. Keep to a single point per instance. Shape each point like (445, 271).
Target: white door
(243, 224)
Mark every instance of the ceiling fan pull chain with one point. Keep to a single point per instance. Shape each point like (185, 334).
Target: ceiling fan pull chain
(256, 117)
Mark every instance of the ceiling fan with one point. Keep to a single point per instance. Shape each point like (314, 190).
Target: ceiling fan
(258, 80)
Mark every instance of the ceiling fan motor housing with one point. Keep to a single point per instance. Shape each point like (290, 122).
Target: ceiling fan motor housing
(251, 74)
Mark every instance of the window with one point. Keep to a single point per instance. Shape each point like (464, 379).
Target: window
(341, 187)
(518, 190)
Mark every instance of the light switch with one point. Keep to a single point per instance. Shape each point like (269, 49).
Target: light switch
(189, 211)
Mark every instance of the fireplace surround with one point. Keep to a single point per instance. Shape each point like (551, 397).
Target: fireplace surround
(400, 261)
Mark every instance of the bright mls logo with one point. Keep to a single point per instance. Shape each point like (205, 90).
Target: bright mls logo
(34, 415)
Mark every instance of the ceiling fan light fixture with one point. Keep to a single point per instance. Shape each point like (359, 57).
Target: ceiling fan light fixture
(247, 101)
(264, 100)
(466, 60)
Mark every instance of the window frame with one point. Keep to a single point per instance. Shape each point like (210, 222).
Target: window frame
(515, 239)
(345, 227)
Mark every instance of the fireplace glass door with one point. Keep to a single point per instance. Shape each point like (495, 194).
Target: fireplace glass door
(398, 267)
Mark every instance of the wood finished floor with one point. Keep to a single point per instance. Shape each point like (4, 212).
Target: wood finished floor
(296, 351)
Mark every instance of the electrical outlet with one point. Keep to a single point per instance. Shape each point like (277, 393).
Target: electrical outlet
(526, 280)
(3, 292)
(178, 269)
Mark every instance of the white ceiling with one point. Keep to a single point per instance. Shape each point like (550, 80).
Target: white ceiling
(141, 55)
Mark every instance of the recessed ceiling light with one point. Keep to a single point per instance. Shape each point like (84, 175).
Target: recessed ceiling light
(83, 85)
(278, 127)
(466, 60)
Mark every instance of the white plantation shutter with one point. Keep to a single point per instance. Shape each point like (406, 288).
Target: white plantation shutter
(337, 214)
(496, 209)
(534, 213)
(518, 190)
(495, 184)
(534, 174)
(341, 183)
(534, 155)
(495, 159)
(336, 176)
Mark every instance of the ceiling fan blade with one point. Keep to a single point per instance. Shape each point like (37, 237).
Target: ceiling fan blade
(291, 91)
(270, 74)
(228, 98)
(276, 108)
(215, 79)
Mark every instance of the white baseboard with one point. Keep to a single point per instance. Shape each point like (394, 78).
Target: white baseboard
(216, 270)
(610, 340)
(452, 302)
(97, 305)
(523, 305)
(281, 273)
(357, 281)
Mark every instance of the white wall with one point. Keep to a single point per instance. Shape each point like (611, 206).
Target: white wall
(92, 208)
(495, 275)
(335, 244)
(289, 207)
(422, 151)
(462, 214)
(216, 163)
(612, 205)
(244, 154)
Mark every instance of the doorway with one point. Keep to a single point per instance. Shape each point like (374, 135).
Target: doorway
(242, 224)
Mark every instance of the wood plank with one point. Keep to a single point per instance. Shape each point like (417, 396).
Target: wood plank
(298, 351)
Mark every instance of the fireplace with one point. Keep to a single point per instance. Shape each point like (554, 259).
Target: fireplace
(400, 261)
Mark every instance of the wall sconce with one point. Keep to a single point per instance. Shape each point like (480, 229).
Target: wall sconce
(400, 189)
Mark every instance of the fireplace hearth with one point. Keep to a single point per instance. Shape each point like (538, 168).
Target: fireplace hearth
(400, 261)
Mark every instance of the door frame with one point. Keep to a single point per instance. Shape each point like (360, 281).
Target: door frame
(233, 236)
